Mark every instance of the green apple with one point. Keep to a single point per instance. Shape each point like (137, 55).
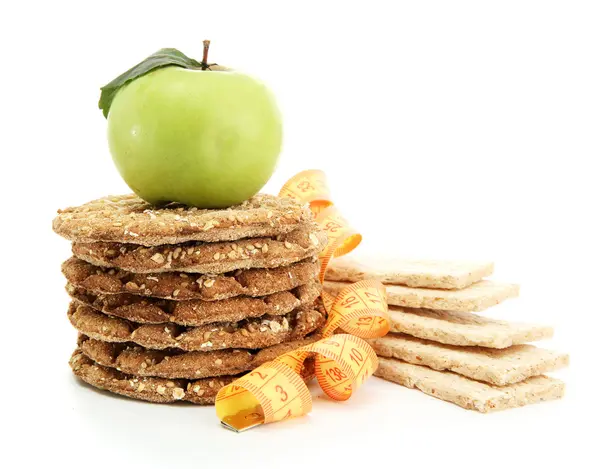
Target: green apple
(204, 138)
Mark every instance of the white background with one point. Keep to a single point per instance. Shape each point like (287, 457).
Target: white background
(448, 129)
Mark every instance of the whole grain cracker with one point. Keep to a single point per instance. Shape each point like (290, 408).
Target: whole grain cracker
(146, 310)
(152, 389)
(181, 286)
(495, 366)
(477, 297)
(456, 328)
(136, 360)
(466, 392)
(129, 219)
(247, 334)
(209, 258)
(447, 275)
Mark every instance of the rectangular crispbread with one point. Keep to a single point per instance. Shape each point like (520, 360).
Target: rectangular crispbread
(495, 366)
(456, 328)
(466, 392)
(477, 297)
(448, 275)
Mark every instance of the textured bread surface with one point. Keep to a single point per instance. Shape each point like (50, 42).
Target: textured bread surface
(182, 286)
(456, 328)
(129, 219)
(248, 334)
(466, 392)
(152, 389)
(477, 297)
(495, 366)
(207, 258)
(448, 275)
(136, 360)
(197, 312)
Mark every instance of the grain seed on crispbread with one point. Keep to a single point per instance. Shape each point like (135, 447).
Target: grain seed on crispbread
(182, 286)
(456, 328)
(146, 310)
(466, 392)
(159, 390)
(209, 258)
(495, 366)
(248, 334)
(477, 297)
(448, 275)
(136, 360)
(129, 219)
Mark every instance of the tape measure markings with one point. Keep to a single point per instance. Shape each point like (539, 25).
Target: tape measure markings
(342, 362)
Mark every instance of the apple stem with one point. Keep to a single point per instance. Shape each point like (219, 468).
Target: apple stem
(205, 64)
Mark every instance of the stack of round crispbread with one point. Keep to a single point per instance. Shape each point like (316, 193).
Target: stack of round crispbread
(173, 303)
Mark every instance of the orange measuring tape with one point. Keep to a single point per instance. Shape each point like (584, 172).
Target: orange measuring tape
(275, 390)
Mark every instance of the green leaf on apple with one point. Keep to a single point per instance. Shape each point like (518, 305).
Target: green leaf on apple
(162, 58)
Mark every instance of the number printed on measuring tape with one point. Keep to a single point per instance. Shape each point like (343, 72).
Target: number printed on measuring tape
(342, 362)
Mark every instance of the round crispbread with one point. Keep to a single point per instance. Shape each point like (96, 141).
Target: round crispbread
(255, 333)
(158, 390)
(181, 286)
(207, 258)
(147, 310)
(175, 364)
(129, 219)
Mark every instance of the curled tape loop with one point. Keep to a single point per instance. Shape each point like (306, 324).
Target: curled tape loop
(341, 238)
(309, 186)
(275, 391)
